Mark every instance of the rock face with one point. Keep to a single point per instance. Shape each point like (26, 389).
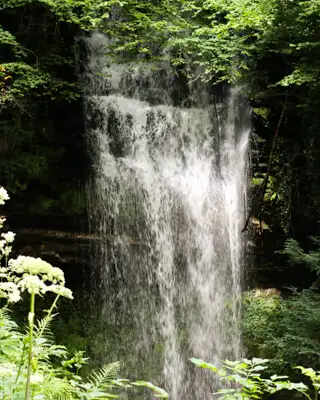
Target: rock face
(64, 242)
(59, 247)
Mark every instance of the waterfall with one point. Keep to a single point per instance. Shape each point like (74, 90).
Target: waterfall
(168, 201)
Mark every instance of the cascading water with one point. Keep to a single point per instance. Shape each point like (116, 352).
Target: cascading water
(168, 198)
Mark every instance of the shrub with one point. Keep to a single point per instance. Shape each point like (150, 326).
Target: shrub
(286, 329)
(244, 380)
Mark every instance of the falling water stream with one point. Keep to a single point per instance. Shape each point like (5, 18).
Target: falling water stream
(168, 201)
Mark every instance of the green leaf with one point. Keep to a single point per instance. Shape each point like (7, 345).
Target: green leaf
(158, 392)
(202, 364)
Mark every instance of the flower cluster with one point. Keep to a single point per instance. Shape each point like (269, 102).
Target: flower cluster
(3, 195)
(36, 276)
(5, 238)
(36, 266)
(10, 291)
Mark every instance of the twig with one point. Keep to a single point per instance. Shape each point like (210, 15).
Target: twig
(23, 109)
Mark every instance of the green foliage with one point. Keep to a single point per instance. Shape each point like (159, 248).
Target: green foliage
(37, 73)
(30, 70)
(284, 330)
(260, 323)
(246, 379)
(216, 35)
(314, 377)
(24, 78)
(297, 256)
(54, 374)
(88, 14)
(6, 38)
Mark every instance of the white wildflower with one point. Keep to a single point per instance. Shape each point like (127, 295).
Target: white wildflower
(61, 290)
(3, 195)
(36, 266)
(33, 284)
(8, 237)
(15, 265)
(14, 297)
(32, 274)
(10, 291)
(7, 286)
(56, 275)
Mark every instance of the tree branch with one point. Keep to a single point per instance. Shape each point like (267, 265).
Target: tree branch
(269, 167)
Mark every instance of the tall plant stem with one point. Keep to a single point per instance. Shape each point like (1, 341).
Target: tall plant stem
(19, 371)
(31, 324)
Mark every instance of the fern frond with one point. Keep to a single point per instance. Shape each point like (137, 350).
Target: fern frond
(105, 375)
(11, 344)
(55, 388)
(44, 347)
(7, 325)
(293, 251)
(296, 255)
(43, 328)
(45, 351)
